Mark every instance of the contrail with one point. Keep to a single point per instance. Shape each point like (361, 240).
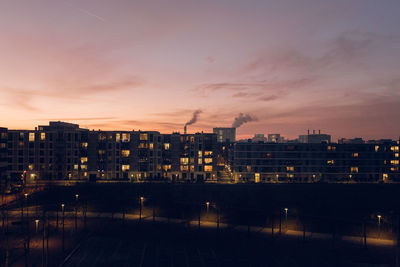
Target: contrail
(84, 11)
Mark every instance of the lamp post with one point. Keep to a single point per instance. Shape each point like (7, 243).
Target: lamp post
(62, 210)
(379, 226)
(37, 225)
(43, 237)
(207, 205)
(286, 222)
(76, 212)
(140, 208)
(26, 204)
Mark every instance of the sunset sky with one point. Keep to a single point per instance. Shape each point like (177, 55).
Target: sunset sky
(124, 64)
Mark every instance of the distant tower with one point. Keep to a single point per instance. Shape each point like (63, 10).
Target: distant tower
(225, 134)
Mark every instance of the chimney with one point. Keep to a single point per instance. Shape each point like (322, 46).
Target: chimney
(184, 129)
(319, 131)
(313, 131)
(308, 131)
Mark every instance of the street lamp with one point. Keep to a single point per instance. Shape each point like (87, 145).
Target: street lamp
(76, 212)
(37, 225)
(140, 208)
(379, 225)
(62, 210)
(207, 205)
(286, 210)
(26, 200)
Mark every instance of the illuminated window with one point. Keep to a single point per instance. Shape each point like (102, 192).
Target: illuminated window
(102, 137)
(151, 145)
(248, 168)
(3, 145)
(166, 167)
(126, 137)
(396, 155)
(208, 168)
(200, 153)
(166, 146)
(207, 160)
(331, 148)
(208, 153)
(394, 148)
(290, 175)
(289, 168)
(31, 137)
(192, 139)
(143, 137)
(184, 161)
(191, 160)
(394, 169)
(21, 135)
(125, 168)
(355, 155)
(85, 174)
(84, 145)
(101, 152)
(331, 162)
(76, 167)
(354, 169)
(200, 161)
(125, 153)
(42, 136)
(376, 148)
(117, 137)
(3, 135)
(143, 145)
(83, 167)
(184, 168)
(31, 167)
(84, 160)
(394, 162)
(191, 168)
(256, 177)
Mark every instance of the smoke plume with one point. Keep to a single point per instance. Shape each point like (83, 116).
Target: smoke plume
(194, 117)
(241, 119)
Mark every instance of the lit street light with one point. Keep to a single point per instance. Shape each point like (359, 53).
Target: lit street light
(286, 211)
(76, 212)
(140, 208)
(62, 210)
(37, 225)
(26, 205)
(379, 225)
(207, 205)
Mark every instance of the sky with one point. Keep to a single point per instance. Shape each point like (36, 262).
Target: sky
(332, 65)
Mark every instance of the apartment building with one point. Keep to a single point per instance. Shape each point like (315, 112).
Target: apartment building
(3, 153)
(300, 162)
(64, 151)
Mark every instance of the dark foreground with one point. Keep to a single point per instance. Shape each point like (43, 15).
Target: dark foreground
(246, 212)
(174, 245)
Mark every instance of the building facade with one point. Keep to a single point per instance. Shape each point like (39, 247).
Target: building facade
(65, 151)
(3, 154)
(330, 162)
